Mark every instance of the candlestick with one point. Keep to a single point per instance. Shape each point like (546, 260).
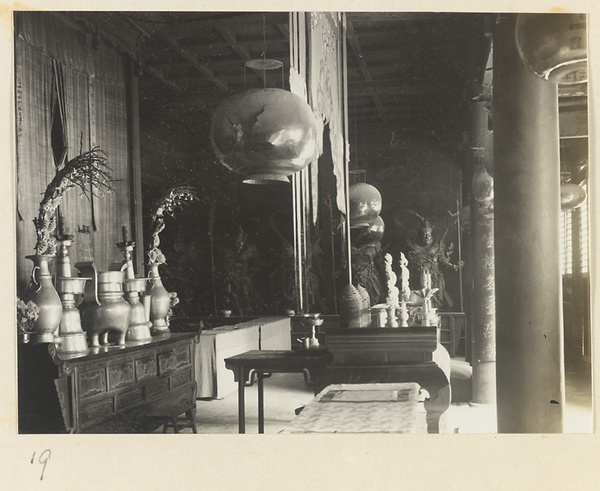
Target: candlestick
(61, 221)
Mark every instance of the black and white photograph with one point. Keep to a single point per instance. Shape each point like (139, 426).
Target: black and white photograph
(337, 239)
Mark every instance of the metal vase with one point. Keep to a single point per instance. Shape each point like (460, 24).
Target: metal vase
(160, 302)
(41, 291)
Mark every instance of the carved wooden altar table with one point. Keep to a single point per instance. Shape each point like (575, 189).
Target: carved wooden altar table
(392, 355)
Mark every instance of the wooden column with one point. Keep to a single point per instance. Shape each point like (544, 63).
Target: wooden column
(529, 354)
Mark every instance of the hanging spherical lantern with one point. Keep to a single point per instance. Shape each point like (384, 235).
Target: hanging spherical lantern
(365, 204)
(483, 185)
(370, 234)
(264, 134)
(571, 195)
(554, 46)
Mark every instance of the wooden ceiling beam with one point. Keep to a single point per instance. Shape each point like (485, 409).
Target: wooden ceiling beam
(188, 56)
(361, 89)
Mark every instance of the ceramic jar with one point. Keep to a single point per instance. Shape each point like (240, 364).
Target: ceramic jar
(41, 291)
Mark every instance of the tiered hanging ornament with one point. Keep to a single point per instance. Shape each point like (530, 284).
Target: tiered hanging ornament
(554, 46)
(88, 168)
(365, 204)
(369, 235)
(162, 301)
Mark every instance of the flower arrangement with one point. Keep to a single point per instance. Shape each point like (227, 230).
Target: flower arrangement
(27, 315)
(88, 167)
(174, 198)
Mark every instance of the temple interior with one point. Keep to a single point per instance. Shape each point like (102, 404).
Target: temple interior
(302, 222)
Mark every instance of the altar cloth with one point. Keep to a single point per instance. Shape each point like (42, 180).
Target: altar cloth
(214, 380)
(360, 408)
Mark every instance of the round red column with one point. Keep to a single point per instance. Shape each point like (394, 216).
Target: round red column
(529, 343)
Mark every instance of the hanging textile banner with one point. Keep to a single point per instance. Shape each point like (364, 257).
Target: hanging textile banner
(326, 90)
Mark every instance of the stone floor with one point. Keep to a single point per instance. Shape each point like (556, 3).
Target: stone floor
(286, 392)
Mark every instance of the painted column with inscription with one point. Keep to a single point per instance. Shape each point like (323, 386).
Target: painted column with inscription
(529, 334)
(483, 337)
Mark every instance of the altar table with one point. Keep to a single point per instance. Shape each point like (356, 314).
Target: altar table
(392, 355)
(262, 364)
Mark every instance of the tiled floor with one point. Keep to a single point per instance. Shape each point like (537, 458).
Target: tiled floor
(286, 392)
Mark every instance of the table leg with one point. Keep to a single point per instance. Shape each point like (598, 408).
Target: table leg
(261, 404)
(436, 407)
(241, 402)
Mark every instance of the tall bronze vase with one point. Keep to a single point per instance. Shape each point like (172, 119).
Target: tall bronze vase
(41, 291)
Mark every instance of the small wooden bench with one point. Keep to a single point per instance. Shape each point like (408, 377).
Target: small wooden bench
(171, 414)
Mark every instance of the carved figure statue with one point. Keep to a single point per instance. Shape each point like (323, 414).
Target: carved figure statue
(425, 255)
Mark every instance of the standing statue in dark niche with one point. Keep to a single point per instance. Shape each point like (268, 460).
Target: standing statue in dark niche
(368, 268)
(239, 266)
(282, 273)
(426, 254)
(367, 265)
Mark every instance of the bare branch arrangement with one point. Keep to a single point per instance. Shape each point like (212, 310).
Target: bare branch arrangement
(87, 168)
(173, 199)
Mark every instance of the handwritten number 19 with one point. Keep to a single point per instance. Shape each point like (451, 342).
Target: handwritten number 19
(43, 459)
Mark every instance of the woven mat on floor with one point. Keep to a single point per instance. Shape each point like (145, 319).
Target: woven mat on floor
(360, 408)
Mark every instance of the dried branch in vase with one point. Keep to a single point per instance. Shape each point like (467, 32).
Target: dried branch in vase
(173, 199)
(87, 168)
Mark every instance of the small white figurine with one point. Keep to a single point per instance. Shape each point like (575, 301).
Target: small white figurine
(393, 293)
(404, 277)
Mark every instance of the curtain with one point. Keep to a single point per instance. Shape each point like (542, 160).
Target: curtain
(93, 87)
(35, 165)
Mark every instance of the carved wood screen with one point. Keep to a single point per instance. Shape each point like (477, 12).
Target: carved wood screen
(318, 56)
